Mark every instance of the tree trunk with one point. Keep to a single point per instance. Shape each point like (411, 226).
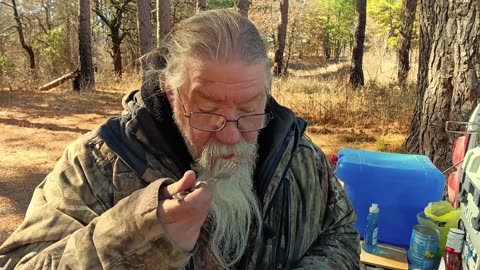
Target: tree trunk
(242, 6)
(25, 46)
(291, 41)
(163, 20)
(405, 36)
(356, 70)
(86, 79)
(145, 33)
(282, 34)
(427, 22)
(144, 25)
(117, 55)
(453, 85)
(337, 51)
(201, 5)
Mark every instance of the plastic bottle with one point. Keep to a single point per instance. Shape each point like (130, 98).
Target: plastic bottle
(453, 249)
(371, 230)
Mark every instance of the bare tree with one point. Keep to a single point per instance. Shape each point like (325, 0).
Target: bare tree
(113, 17)
(453, 84)
(282, 35)
(356, 70)
(163, 19)
(242, 6)
(405, 36)
(21, 35)
(86, 78)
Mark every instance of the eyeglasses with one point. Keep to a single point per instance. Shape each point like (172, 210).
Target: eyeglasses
(213, 122)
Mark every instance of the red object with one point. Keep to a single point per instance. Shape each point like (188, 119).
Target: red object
(334, 159)
(453, 260)
(459, 149)
(453, 188)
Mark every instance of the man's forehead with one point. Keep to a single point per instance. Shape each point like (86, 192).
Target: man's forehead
(229, 71)
(210, 80)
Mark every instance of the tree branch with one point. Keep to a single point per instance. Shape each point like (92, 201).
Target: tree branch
(102, 17)
(8, 5)
(124, 34)
(41, 26)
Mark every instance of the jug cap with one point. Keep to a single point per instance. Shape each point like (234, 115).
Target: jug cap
(374, 208)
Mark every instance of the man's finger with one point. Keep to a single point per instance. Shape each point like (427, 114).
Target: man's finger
(185, 183)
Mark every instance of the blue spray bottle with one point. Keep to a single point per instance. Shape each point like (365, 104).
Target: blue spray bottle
(371, 231)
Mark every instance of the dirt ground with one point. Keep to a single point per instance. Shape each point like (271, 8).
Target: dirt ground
(36, 128)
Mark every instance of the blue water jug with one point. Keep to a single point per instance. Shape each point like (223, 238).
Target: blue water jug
(402, 184)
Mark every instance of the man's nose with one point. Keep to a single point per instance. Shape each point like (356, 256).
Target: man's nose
(229, 135)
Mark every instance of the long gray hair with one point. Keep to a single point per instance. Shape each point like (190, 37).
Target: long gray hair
(215, 35)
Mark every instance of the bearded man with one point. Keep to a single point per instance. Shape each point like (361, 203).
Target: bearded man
(206, 171)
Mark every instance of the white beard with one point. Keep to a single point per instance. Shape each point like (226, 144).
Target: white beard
(234, 205)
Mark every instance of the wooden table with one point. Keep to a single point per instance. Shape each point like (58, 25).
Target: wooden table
(388, 257)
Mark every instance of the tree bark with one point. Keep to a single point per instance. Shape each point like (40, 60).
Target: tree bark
(117, 55)
(145, 31)
(356, 70)
(427, 22)
(163, 20)
(405, 36)
(242, 7)
(201, 5)
(282, 34)
(86, 79)
(145, 34)
(25, 46)
(453, 84)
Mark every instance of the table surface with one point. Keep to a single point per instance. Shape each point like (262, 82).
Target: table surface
(388, 257)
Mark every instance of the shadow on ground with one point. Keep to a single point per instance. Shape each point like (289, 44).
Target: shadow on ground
(28, 124)
(58, 104)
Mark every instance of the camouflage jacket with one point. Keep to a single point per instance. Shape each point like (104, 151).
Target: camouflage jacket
(97, 208)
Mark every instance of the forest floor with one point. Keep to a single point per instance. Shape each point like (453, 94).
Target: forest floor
(37, 126)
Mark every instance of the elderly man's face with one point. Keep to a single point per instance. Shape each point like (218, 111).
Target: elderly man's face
(232, 89)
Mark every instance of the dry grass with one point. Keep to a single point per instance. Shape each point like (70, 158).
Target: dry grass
(375, 117)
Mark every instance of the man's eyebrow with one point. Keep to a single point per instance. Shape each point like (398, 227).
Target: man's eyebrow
(218, 100)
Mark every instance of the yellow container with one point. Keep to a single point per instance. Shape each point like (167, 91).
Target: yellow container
(441, 216)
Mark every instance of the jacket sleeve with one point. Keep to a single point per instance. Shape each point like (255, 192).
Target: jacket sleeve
(338, 243)
(71, 222)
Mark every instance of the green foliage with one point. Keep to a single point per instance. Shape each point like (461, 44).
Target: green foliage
(215, 4)
(381, 145)
(3, 62)
(386, 13)
(52, 46)
(337, 18)
(316, 28)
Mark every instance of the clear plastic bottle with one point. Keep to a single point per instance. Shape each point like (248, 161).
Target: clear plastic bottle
(453, 249)
(371, 231)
